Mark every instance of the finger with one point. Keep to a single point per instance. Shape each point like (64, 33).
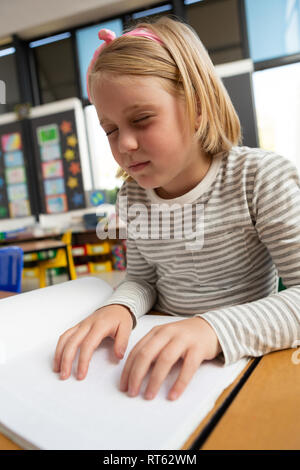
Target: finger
(60, 347)
(92, 340)
(143, 360)
(131, 358)
(122, 338)
(164, 363)
(190, 365)
(70, 349)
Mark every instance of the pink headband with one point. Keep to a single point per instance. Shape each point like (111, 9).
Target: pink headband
(108, 36)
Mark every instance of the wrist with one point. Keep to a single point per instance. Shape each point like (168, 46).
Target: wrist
(118, 308)
(215, 348)
(126, 309)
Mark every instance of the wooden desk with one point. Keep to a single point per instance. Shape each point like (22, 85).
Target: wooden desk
(200, 434)
(265, 415)
(80, 236)
(41, 245)
(4, 293)
(28, 236)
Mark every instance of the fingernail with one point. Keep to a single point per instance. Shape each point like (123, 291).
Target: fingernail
(173, 395)
(149, 395)
(63, 374)
(122, 388)
(80, 375)
(131, 392)
(121, 352)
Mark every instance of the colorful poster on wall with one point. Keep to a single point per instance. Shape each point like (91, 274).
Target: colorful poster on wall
(11, 142)
(58, 162)
(56, 204)
(15, 175)
(48, 135)
(50, 152)
(54, 186)
(52, 169)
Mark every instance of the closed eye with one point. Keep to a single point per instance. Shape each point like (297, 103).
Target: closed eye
(110, 132)
(141, 119)
(134, 121)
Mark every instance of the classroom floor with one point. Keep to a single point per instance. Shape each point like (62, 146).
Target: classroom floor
(112, 277)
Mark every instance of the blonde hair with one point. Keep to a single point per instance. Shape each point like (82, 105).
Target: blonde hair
(187, 71)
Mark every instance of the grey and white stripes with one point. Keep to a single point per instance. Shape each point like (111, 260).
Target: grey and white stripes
(251, 201)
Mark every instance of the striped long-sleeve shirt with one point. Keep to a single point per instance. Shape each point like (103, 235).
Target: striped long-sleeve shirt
(247, 213)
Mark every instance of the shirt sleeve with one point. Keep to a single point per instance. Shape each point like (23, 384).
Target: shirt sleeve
(138, 289)
(271, 323)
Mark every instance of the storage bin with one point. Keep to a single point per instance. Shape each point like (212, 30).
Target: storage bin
(98, 249)
(29, 273)
(30, 257)
(82, 269)
(79, 250)
(49, 254)
(100, 267)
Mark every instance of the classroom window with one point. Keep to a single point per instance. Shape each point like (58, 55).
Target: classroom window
(103, 164)
(150, 14)
(8, 75)
(87, 42)
(153, 11)
(218, 26)
(274, 28)
(277, 101)
(55, 67)
(190, 2)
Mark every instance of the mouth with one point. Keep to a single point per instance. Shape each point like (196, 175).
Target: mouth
(138, 166)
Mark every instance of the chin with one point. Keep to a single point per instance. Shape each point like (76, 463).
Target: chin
(145, 183)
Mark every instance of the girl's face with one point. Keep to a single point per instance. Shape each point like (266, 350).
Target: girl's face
(149, 133)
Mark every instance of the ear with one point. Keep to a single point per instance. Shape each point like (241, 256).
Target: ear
(198, 116)
(197, 122)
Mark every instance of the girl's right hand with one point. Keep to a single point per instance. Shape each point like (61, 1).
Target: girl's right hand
(114, 321)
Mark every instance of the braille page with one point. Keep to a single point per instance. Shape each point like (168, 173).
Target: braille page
(29, 319)
(38, 410)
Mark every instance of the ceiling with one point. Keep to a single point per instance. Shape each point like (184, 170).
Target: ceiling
(33, 18)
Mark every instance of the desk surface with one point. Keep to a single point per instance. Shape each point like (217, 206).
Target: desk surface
(76, 233)
(41, 245)
(31, 236)
(265, 415)
(4, 294)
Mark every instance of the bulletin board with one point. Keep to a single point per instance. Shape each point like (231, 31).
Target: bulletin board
(15, 198)
(57, 155)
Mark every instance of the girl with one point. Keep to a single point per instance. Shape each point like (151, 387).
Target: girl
(175, 134)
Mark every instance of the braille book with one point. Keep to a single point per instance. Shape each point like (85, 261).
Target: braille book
(40, 411)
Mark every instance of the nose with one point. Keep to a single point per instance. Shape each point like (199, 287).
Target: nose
(127, 141)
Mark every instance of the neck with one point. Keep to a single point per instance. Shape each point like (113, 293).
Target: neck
(192, 178)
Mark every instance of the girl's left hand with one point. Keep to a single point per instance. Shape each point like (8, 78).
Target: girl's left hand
(193, 340)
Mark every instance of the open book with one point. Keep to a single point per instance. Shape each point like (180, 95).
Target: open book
(40, 411)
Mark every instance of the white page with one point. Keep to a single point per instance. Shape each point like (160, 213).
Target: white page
(39, 410)
(29, 319)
